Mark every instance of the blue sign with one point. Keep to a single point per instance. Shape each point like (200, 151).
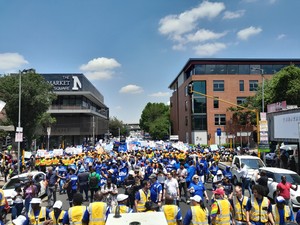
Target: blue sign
(219, 132)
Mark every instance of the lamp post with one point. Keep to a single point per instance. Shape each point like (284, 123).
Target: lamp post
(19, 129)
(48, 133)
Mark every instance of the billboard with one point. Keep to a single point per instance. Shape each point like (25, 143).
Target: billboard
(286, 126)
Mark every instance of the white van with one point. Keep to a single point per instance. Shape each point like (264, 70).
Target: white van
(292, 150)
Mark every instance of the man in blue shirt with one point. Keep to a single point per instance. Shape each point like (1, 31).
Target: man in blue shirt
(155, 190)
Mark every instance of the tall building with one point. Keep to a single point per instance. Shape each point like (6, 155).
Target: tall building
(80, 112)
(199, 119)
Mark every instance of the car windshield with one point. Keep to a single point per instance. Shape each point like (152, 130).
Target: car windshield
(252, 163)
(12, 182)
(291, 178)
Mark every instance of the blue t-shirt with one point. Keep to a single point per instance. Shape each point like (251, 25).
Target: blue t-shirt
(298, 216)
(199, 189)
(191, 170)
(155, 189)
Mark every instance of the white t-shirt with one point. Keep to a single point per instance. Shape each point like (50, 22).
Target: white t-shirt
(171, 186)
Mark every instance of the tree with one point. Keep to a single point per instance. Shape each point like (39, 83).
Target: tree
(36, 98)
(155, 120)
(115, 125)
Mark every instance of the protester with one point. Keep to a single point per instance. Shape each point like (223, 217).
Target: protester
(239, 202)
(75, 214)
(122, 204)
(172, 212)
(52, 183)
(220, 209)
(57, 214)
(284, 190)
(281, 212)
(142, 196)
(197, 214)
(37, 214)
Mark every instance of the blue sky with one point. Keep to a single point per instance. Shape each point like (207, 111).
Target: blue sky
(132, 50)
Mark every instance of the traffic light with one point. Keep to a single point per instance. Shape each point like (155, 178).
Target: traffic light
(190, 89)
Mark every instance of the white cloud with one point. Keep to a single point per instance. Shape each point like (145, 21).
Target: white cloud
(204, 35)
(248, 32)
(173, 25)
(209, 49)
(228, 15)
(118, 107)
(281, 36)
(131, 89)
(11, 61)
(100, 68)
(160, 94)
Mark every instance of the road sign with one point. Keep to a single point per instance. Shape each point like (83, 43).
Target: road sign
(219, 131)
(19, 137)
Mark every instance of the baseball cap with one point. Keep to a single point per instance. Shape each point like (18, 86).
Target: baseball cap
(280, 199)
(121, 197)
(196, 198)
(195, 176)
(152, 176)
(36, 201)
(58, 204)
(219, 191)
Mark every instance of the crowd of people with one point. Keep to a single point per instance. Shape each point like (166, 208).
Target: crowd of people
(153, 180)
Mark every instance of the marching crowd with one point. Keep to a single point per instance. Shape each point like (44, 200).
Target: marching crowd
(153, 180)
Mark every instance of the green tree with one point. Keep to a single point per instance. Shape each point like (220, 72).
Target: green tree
(155, 120)
(36, 98)
(115, 125)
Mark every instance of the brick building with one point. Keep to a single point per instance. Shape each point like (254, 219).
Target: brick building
(196, 118)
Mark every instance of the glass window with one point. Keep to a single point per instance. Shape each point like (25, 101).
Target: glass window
(199, 105)
(268, 69)
(242, 85)
(216, 103)
(186, 105)
(253, 85)
(277, 68)
(210, 69)
(220, 119)
(199, 69)
(186, 121)
(199, 122)
(218, 85)
(199, 86)
(232, 69)
(244, 69)
(255, 69)
(240, 100)
(221, 69)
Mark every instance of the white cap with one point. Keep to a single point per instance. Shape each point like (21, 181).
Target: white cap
(219, 172)
(121, 197)
(131, 172)
(111, 170)
(280, 199)
(196, 198)
(58, 204)
(36, 201)
(195, 176)
(20, 220)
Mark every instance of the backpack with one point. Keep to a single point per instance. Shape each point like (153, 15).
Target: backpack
(93, 181)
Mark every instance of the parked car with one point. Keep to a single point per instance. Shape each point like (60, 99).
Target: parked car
(252, 163)
(37, 176)
(274, 177)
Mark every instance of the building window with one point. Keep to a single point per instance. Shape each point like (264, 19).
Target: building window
(199, 122)
(241, 100)
(199, 69)
(199, 105)
(232, 69)
(242, 87)
(199, 86)
(186, 121)
(218, 85)
(216, 102)
(253, 85)
(220, 119)
(186, 105)
(211, 69)
(244, 69)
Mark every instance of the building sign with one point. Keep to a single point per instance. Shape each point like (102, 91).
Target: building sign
(275, 107)
(65, 82)
(263, 134)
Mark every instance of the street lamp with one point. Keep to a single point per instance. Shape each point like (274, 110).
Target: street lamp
(19, 130)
